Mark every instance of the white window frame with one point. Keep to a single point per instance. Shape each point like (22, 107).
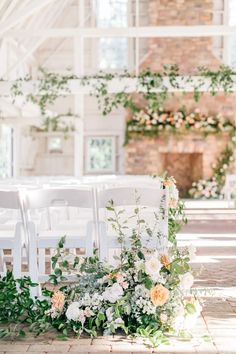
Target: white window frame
(88, 170)
(130, 44)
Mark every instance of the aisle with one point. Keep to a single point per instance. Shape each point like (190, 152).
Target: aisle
(216, 256)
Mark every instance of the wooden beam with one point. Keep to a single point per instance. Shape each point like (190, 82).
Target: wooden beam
(22, 14)
(36, 44)
(129, 85)
(128, 32)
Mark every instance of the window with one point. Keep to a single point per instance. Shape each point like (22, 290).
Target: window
(100, 155)
(112, 13)
(55, 144)
(232, 40)
(5, 151)
(113, 52)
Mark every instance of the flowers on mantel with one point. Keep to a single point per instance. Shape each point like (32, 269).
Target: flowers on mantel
(153, 123)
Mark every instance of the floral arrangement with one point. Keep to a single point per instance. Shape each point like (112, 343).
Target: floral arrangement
(212, 187)
(151, 122)
(147, 292)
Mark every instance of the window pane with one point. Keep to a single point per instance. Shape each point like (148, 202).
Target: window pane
(232, 40)
(5, 151)
(55, 144)
(113, 53)
(112, 13)
(100, 154)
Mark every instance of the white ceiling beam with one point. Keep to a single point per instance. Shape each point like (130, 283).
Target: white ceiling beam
(8, 10)
(36, 44)
(8, 107)
(129, 85)
(2, 4)
(129, 32)
(22, 14)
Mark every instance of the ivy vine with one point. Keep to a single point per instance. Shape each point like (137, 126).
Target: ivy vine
(153, 86)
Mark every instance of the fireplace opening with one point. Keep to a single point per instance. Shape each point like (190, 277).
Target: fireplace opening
(185, 167)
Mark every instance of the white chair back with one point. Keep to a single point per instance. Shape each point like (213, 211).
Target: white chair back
(10, 199)
(153, 208)
(11, 222)
(46, 232)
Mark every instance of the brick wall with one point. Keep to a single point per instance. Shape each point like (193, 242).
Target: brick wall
(143, 154)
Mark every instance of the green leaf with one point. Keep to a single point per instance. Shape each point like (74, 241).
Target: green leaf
(148, 283)
(190, 308)
(62, 241)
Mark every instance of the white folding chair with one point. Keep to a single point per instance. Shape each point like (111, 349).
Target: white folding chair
(153, 205)
(44, 233)
(11, 230)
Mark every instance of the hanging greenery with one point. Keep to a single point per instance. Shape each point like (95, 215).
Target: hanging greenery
(154, 87)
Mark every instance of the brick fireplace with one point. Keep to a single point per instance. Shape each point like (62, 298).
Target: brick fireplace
(186, 167)
(187, 157)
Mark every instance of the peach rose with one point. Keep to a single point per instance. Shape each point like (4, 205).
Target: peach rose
(169, 182)
(159, 295)
(165, 260)
(58, 300)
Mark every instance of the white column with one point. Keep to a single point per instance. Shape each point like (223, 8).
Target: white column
(79, 99)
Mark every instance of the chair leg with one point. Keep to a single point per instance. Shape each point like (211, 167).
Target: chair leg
(17, 251)
(33, 264)
(3, 267)
(42, 260)
(89, 240)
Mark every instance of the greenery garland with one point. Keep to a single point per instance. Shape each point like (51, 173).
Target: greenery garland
(50, 86)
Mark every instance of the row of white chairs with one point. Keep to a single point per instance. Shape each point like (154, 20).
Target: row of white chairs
(43, 216)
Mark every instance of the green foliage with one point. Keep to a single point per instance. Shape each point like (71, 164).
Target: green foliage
(87, 301)
(152, 86)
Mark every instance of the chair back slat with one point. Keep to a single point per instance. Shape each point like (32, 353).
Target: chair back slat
(9, 200)
(46, 198)
(152, 203)
(126, 196)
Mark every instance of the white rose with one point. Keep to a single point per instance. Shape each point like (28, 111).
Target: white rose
(113, 293)
(73, 312)
(190, 322)
(152, 267)
(119, 321)
(186, 281)
(109, 313)
(139, 265)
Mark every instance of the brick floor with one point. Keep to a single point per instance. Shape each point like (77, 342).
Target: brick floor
(216, 257)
